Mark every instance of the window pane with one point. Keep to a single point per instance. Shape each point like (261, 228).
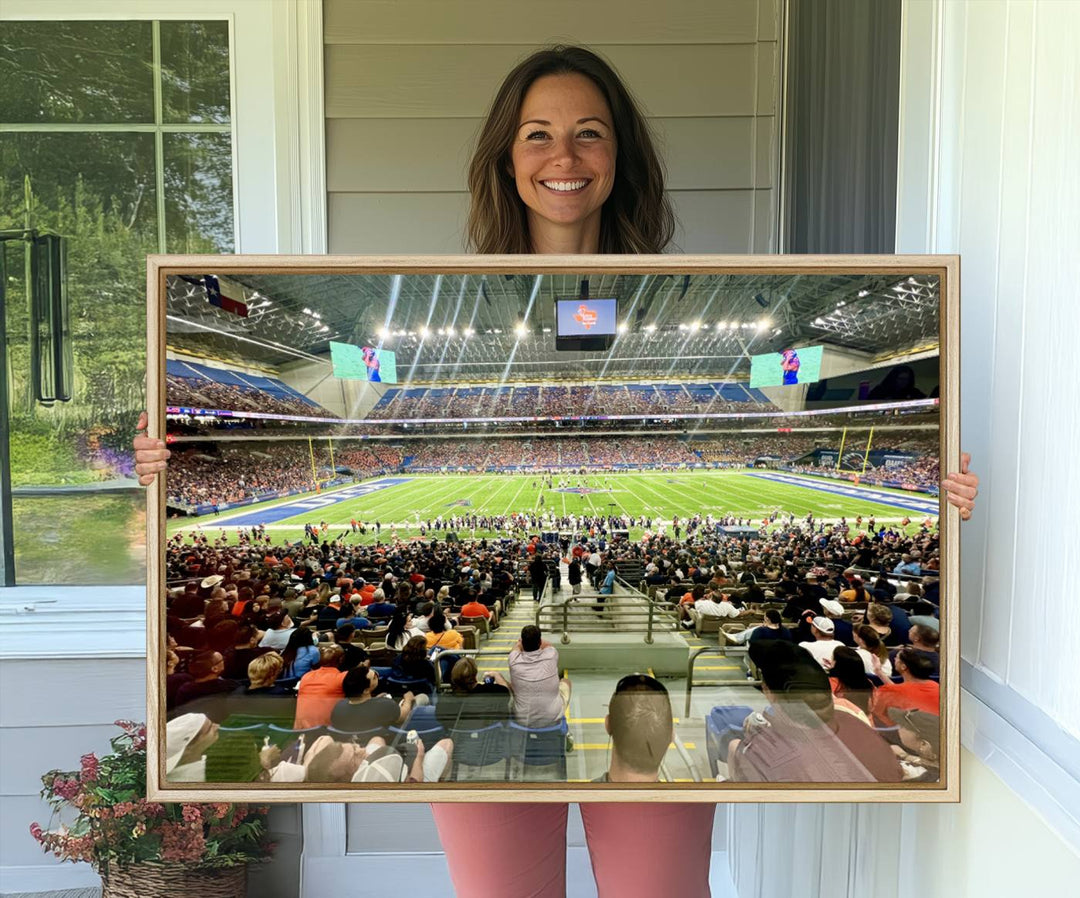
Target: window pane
(195, 71)
(76, 72)
(80, 539)
(97, 190)
(198, 193)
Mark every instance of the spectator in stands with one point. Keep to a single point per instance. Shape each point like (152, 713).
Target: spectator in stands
(300, 654)
(474, 608)
(382, 609)
(352, 655)
(771, 628)
(320, 689)
(401, 630)
(541, 698)
(537, 575)
(873, 652)
(709, 607)
(916, 691)
(472, 705)
(920, 735)
(842, 629)
(187, 738)
(278, 631)
(824, 643)
(849, 683)
(362, 710)
(880, 617)
(330, 761)
(573, 575)
(797, 740)
(440, 635)
(855, 591)
(207, 690)
(413, 664)
(925, 638)
(350, 614)
(641, 727)
(908, 567)
(174, 679)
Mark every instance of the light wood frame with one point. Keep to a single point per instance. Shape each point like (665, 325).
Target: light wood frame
(946, 267)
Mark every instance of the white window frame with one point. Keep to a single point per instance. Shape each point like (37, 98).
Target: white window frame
(279, 196)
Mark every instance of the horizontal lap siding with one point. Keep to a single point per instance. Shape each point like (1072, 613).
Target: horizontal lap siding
(408, 84)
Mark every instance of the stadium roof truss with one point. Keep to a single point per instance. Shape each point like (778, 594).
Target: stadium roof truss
(484, 327)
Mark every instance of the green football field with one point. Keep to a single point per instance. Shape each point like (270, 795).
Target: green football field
(661, 495)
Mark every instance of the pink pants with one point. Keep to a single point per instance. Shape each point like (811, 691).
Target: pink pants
(519, 850)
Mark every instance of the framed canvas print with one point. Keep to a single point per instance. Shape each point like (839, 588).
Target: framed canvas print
(551, 528)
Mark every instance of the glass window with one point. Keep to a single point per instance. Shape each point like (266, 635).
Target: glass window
(58, 72)
(195, 72)
(93, 150)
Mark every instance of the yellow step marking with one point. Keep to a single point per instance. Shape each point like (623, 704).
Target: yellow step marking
(598, 719)
(603, 746)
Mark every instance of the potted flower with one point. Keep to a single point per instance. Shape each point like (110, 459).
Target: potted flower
(143, 848)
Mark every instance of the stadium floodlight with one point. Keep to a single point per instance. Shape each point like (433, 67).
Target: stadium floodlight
(469, 332)
(650, 328)
(623, 327)
(696, 326)
(521, 330)
(384, 332)
(449, 332)
(425, 332)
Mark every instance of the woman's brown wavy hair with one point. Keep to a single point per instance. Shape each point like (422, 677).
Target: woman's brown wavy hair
(637, 216)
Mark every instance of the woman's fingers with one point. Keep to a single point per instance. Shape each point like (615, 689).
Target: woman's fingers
(961, 487)
(150, 453)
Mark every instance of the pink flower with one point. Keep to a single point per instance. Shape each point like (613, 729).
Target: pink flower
(192, 814)
(65, 788)
(90, 767)
(37, 832)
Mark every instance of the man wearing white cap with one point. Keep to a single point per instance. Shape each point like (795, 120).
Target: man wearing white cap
(824, 644)
(842, 629)
(187, 738)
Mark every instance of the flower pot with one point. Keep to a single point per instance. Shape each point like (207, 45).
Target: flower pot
(173, 881)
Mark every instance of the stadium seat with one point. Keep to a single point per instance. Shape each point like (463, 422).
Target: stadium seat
(398, 687)
(481, 748)
(542, 747)
(234, 757)
(723, 724)
(360, 736)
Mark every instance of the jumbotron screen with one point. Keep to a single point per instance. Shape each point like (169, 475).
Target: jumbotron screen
(585, 317)
(363, 363)
(786, 368)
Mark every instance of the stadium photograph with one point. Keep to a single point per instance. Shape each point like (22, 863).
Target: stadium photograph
(553, 528)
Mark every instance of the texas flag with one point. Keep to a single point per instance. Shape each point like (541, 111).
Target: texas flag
(585, 316)
(215, 297)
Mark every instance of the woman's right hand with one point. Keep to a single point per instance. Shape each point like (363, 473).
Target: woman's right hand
(150, 454)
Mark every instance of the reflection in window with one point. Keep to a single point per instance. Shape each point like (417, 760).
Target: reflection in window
(128, 180)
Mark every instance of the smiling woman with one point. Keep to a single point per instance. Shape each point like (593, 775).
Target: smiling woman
(560, 118)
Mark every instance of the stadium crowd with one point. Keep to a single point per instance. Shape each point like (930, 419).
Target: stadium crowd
(203, 393)
(268, 631)
(631, 399)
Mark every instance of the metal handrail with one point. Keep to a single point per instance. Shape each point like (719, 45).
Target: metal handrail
(722, 651)
(564, 613)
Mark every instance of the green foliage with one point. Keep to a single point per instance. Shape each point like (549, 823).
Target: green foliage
(116, 825)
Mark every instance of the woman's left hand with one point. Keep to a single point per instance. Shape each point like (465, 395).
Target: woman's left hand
(962, 487)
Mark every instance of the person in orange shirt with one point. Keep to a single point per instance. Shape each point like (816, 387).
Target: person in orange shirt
(918, 692)
(440, 635)
(320, 689)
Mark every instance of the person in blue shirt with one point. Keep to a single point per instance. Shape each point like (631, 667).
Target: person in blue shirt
(908, 568)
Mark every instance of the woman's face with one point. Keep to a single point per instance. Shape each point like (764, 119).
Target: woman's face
(563, 154)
